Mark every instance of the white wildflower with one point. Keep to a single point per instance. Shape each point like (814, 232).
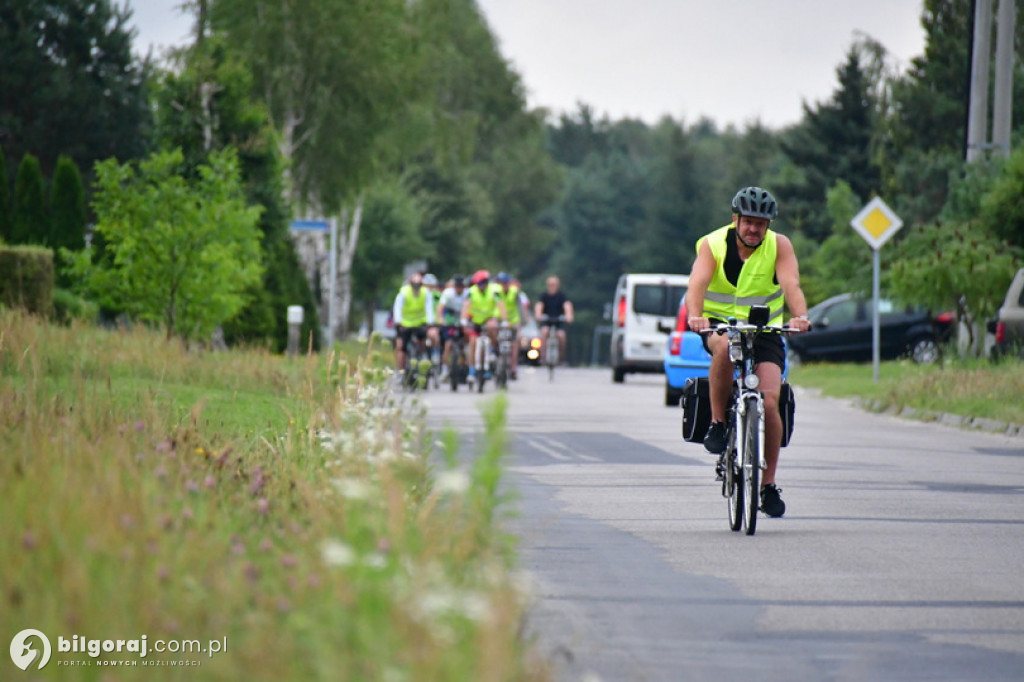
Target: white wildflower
(454, 482)
(337, 553)
(443, 602)
(352, 488)
(375, 560)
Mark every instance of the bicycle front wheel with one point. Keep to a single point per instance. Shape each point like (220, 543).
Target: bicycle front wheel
(552, 354)
(732, 487)
(753, 433)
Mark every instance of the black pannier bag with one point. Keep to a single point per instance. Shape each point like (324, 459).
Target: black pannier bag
(787, 409)
(696, 404)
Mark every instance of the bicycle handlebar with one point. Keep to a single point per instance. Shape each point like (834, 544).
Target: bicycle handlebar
(744, 327)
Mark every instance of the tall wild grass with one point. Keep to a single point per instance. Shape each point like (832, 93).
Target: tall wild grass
(287, 507)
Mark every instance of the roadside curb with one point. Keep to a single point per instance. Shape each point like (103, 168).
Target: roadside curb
(956, 420)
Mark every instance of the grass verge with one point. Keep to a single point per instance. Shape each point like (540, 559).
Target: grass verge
(971, 388)
(280, 510)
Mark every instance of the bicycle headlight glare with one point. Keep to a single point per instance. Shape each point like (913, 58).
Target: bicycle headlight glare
(751, 381)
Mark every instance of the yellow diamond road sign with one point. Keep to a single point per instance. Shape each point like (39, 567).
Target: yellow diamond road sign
(876, 223)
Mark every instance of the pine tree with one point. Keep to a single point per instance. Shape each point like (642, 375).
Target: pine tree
(67, 207)
(67, 212)
(29, 226)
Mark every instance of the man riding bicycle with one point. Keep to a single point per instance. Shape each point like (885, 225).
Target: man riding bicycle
(449, 312)
(481, 312)
(512, 296)
(552, 305)
(413, 315)
(739, 265)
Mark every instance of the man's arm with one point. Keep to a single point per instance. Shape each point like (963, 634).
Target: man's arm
(538, 309)
(442, 301)
(787, 270)
(396, 309)
(568, 310)
(700, 277)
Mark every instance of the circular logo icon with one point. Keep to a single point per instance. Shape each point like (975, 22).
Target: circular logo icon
(24, 655)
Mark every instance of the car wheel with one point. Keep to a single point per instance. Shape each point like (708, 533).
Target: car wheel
(618, 375)
(924, 350)
(672, 395)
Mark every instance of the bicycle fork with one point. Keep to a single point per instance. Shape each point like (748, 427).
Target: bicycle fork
(739, 431)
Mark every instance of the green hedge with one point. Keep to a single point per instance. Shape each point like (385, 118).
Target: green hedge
(26, 278)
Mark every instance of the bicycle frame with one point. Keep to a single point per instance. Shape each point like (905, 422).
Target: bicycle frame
(741, 351)
(742, 467)
(551, 343)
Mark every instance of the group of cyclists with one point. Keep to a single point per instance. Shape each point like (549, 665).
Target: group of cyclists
(438, 315)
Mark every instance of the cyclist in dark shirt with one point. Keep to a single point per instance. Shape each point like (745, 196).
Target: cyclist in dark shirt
(552, 309)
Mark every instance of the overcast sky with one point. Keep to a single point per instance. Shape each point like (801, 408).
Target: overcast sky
(734, 61)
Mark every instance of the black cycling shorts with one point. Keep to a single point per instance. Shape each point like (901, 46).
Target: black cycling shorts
(767, 347)
(406, 333)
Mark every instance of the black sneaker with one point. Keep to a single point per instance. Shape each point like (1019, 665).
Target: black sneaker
(771, 501)
(715, 438)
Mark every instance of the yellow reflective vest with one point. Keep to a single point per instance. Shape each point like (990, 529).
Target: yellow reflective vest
(756, 284)
(511, 300)
(414, 308)
(483, 305)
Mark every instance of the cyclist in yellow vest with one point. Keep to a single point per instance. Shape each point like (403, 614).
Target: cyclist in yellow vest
(515, 304)
(739, 265)
(413, 314)
(481, 312)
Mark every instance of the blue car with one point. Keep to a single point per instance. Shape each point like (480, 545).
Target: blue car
(685, 357)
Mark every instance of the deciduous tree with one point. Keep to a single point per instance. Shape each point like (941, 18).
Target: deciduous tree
(179, 252)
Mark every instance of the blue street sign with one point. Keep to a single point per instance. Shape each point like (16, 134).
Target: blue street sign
(310, 225)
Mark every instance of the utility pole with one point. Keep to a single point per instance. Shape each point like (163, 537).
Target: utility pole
(977, 117)
(1002, 104)
(981, 55)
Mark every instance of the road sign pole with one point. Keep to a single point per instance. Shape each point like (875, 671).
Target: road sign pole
(331, 287)
(876, 223)
(876, 334)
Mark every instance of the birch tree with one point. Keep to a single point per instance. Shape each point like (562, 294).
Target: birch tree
(333, 75)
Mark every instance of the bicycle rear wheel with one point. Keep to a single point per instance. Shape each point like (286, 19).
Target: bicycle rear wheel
(753, 430)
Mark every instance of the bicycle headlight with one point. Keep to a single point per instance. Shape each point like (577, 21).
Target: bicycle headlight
(751, 381)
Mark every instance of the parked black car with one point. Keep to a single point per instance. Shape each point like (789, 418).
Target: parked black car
(841, 331)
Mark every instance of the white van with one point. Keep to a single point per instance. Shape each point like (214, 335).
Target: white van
(641, 302)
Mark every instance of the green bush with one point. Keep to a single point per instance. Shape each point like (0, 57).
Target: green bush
(26, 278)
(68, 306)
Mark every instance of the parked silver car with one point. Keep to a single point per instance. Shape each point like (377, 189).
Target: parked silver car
(1008, 326)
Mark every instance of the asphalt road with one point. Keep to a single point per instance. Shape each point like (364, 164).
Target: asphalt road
(901, 555)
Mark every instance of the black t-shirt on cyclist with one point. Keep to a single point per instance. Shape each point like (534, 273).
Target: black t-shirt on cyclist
(553, 305)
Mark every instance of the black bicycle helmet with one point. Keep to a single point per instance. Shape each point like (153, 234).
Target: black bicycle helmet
(756, 203)
(459, 280)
